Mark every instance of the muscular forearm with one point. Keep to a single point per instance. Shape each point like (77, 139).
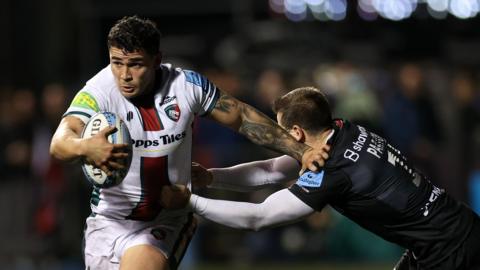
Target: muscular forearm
(255, 175)
(66, 145)
(256, 126)
(280, 208)
(263, 131)
(66, 142)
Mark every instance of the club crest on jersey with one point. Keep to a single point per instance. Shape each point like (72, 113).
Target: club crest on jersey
(310, 179)
(173, 112)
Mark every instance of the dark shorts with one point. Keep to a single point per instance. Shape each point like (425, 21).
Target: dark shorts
(466, 257)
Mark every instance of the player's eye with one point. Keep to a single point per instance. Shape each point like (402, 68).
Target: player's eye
(117, 63)
(135, 65)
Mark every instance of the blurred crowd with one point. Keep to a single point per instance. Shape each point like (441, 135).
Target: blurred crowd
(431, 112)
(44, 202)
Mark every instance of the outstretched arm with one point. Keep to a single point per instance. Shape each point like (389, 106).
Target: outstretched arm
(279, 208)
(247, 176)
(264, 131)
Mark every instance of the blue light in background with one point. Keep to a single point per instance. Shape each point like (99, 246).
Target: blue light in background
(336, 10)
(463, 9)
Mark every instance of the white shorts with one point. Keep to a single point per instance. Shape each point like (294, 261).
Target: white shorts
(106, 239)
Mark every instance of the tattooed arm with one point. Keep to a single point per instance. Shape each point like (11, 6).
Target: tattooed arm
(263, 131)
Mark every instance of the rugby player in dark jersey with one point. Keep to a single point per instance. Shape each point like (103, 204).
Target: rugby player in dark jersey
(366, 179)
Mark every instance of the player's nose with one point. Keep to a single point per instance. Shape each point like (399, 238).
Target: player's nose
(125, 74)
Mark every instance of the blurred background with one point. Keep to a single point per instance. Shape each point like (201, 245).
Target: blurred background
(407, 69)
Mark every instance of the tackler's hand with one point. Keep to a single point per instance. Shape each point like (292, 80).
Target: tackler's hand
(174, 196)
(314, 158)
(201, 177)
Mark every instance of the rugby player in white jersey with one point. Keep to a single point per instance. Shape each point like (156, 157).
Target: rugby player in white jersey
(128, 228)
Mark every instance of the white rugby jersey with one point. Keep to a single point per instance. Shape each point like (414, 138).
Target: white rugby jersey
(161, 129)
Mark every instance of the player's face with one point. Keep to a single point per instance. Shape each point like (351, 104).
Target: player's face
(134, 72)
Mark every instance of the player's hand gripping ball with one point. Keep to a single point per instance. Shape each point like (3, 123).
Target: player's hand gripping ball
(98, 122)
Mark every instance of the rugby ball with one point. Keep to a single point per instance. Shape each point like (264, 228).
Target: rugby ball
(96, 123)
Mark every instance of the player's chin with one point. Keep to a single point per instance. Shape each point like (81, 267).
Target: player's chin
(129, 94)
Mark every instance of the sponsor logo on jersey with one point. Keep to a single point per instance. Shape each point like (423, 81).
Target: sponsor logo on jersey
(375, 145)
(436, 193)
(85, 100)
(173, 112)
(163, 140)
(311, 179)
(167, 99)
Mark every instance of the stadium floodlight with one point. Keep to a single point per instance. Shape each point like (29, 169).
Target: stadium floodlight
(277, 6)
(463, 9)
(316, 6)
(439, 15)
(367, 6)
(366, 10)
(395, 9)
(295, 10)
(336, 9)
(311, 3)
(438, 5)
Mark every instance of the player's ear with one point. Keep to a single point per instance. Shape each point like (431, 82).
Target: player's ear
(298, 133)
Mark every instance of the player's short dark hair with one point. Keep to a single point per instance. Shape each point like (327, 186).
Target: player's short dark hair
(306, 107)
(132, 33)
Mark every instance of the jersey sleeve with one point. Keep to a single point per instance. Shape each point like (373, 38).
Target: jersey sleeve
(201, 94)
(317, 189)
(86, 103)
(255, 175)
(280, 208)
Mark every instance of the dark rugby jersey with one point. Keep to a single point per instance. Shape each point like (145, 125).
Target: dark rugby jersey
(369, 181)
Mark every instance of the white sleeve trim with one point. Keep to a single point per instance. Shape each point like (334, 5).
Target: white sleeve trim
(280, 208)
(78, 114)
(255, 175)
